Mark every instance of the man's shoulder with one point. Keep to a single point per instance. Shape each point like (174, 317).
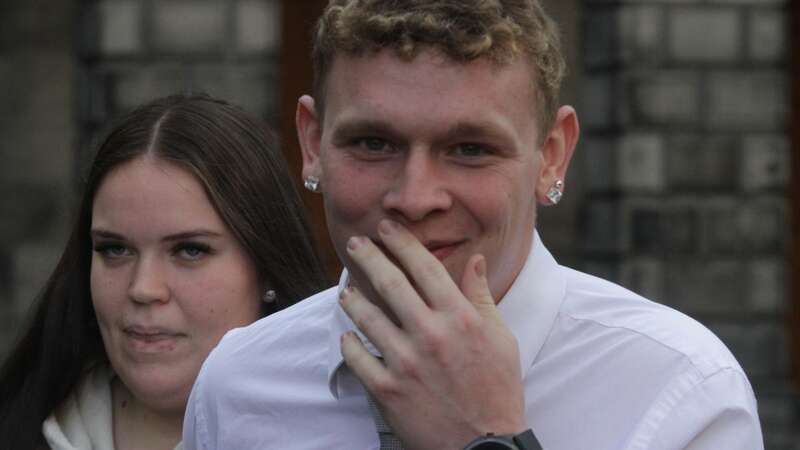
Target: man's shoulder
(310, 316)
(301, 328)
(615, 310)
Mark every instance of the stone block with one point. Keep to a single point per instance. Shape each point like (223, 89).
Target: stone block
(640, 162)
(37, 122)
(646, 230)
(597, 110)
(762, 223)
(760, 348)
(705, 287)
(701, 161)
(655, 227)
(765, 162)
(599, 169)
(601, 226)
(641, 34)
(33, 263)
(6, 282)
(662, 98)
(766, 40)
(131, 88)
(34, 209)
(681, 228)
(94, 96)
(766, 285)
(599, 38)
(192, 26)
(645, 276)
(705, 35)
(722, 227)
(37, 25)
(747, 101)
(258, 25)
(605, 269)
(120, 26)
(252, 88)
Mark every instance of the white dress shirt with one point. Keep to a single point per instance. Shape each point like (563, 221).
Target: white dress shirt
(603, 368)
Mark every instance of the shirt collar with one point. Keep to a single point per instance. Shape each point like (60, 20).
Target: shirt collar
(529, 309)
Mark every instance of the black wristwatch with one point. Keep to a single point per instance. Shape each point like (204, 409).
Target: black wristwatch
(523, 441)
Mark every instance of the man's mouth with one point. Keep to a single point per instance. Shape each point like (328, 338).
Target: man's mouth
(442, 249)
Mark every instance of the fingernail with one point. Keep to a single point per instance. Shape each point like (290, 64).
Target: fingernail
(349, 334)
(346, 292)
(387, 226)
(354, 242)
(480, 267)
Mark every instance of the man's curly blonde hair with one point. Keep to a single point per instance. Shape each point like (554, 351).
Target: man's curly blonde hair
(464, 30)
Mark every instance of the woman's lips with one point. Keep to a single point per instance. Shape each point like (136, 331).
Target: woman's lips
(151, 340)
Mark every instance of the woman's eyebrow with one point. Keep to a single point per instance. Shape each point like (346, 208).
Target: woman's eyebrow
(191, 234)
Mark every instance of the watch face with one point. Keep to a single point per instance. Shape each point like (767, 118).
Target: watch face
(492, 443)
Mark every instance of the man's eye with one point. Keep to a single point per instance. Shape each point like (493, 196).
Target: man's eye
(471, 150)
(373, 144)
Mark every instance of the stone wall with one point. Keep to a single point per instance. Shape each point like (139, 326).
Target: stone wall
(678, 189)
(68, 67)
(686, 168)
(37, 121)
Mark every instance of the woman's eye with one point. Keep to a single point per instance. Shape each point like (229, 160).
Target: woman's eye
(112, 250)
(192, 252)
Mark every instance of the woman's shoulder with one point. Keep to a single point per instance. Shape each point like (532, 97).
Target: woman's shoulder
(85, 416)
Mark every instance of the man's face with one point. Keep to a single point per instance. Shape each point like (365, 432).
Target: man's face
(449, 150)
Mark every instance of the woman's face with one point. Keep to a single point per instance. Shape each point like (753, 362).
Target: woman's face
(168, 279)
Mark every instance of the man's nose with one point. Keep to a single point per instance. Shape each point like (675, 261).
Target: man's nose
(148, 282)
(419, 189)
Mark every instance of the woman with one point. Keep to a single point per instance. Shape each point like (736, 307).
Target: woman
(189, 225)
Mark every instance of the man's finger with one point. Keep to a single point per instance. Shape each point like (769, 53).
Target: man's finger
(387, 280)
(372, 321)
(430, 276)
(365, 366)
(475, 285)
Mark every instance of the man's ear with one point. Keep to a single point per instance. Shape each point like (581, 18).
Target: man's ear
(309, 134)
(557, 151)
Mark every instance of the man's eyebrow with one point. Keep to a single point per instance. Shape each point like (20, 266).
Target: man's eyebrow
(469, 129)
(356, 128)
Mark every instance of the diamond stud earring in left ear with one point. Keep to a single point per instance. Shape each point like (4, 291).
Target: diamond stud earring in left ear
(312, 183)
(556, 192)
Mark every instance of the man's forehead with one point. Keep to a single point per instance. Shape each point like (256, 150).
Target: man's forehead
(385, 64)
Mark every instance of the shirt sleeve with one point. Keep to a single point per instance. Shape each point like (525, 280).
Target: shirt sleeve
(196, 433)
(717, 412)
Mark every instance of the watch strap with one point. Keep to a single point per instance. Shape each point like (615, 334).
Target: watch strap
(527, 441)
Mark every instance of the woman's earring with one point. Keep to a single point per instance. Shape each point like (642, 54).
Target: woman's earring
(311, 183)
(556, 192)
(269, 296)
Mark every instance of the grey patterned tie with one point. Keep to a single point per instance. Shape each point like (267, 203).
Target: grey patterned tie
(388, 440)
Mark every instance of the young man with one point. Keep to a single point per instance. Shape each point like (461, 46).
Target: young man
(433, 134)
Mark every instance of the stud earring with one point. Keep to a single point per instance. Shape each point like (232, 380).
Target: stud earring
(269, 296)
(312, 183)
(556, 192)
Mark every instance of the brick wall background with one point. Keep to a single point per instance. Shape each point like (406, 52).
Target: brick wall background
(678, 189)
(686, 168)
